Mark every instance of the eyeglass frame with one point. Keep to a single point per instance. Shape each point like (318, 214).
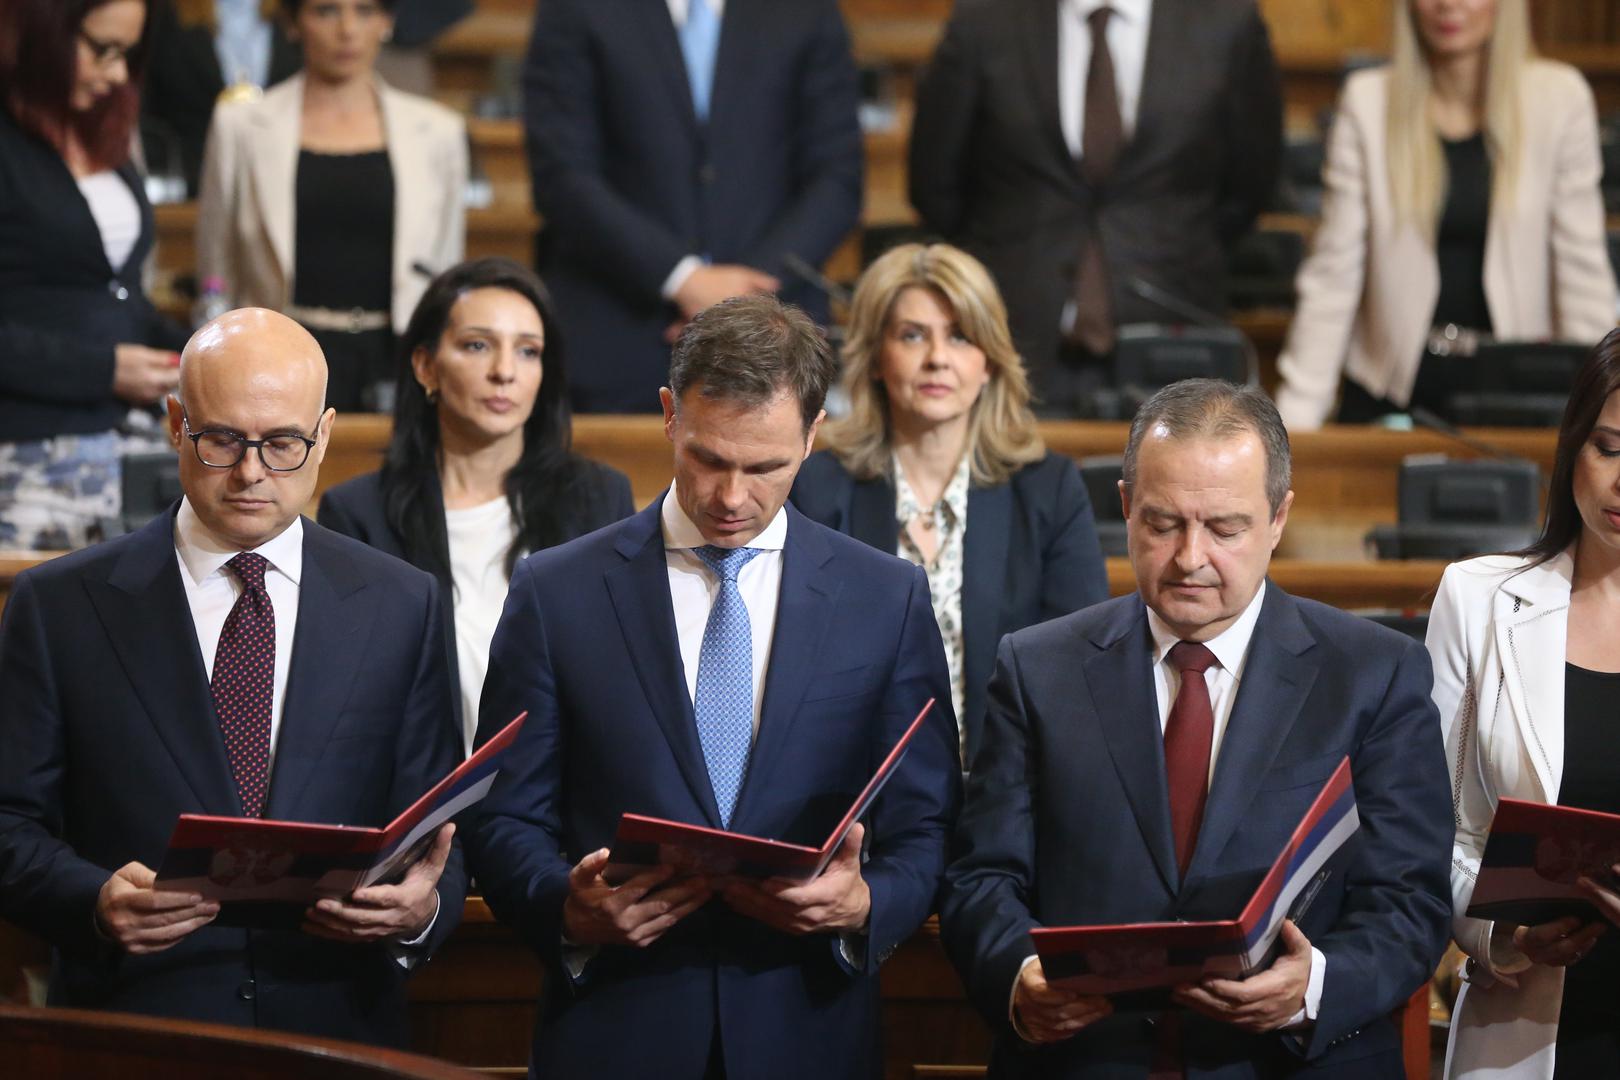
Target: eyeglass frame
(247, 444)
(107, 53)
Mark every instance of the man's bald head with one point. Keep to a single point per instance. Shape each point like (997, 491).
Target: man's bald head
(248, 376)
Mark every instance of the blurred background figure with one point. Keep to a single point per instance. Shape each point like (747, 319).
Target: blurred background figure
(79, 342)
(1102, 179)
(406, 61)
(1528, 706)
(1462, 204)
(681, 160)
(479, 470)
(335, 198)
(939, 462)
(200, 51)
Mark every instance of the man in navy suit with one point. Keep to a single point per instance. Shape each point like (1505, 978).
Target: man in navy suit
(230, 658)
(1147, 758)
(718, 659)
(681, 150)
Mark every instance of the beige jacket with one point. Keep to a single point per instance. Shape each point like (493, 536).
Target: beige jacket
(1497, 637)
(1367, 293)
(246, 205)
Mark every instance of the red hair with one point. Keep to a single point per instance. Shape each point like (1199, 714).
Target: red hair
(39, 49)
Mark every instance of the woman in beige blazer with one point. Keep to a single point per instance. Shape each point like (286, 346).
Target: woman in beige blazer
(1529, 706)
(334, 198)
(1394, 228)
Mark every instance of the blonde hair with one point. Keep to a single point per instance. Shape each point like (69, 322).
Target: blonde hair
(1001, 428)
(1417, 164)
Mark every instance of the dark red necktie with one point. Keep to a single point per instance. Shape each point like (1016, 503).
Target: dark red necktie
(244, 682)
(1101, 141)
(1188, 735)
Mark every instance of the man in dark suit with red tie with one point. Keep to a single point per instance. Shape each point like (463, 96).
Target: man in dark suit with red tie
(1084, 149)
(233, 659)
(1146, 759)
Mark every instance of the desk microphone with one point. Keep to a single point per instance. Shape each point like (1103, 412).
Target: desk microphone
(1175, 305)
(821, 282)
(1430, 421)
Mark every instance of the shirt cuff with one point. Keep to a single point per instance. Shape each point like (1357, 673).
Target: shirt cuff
(577, 957)
(408, 953)
(1313, 992)
(677, 277)
(1012, 996)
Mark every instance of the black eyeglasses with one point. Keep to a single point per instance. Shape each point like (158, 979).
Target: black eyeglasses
(226, 449)
(107, 53)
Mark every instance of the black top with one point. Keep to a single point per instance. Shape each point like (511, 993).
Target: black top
(1460, 243)
(1591, 781)
(63, 308)
(345, 240)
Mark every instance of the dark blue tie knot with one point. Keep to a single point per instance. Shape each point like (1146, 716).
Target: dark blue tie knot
(249, 567)
(727, 563)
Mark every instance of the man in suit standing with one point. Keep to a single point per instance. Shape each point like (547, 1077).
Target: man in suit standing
(682, 151)
(1146, 759)
(230, 658)
(722, 660)
(1093, 151)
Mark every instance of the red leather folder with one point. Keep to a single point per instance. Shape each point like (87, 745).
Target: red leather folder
(1535, 854)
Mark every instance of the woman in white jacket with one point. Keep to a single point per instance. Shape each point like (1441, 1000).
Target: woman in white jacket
(1526, 652)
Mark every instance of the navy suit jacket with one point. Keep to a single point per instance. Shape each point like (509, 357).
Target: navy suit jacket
(629, 182)
(109, 733)
(1067, 822)
(588, 646)
(1030, 553)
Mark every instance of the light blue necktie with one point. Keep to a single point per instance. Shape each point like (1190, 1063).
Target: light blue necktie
(700, 41)
(724, 702)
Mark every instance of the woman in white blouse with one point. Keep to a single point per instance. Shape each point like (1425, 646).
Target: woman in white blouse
(1526, 651)
(940, 462)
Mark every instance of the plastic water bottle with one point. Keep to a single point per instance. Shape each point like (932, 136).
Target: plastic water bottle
(211, 303)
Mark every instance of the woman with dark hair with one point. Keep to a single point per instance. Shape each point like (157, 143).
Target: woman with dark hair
(479, 470)
(79, 343)
(1526, 651)
(333, 198)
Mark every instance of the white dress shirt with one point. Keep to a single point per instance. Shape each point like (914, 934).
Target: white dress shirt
(683, 269)
(212, 589)
(693, 587)
(1231, 649)
(1127, 44)
(480, 537)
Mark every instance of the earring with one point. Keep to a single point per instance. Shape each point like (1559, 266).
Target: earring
(433, 396)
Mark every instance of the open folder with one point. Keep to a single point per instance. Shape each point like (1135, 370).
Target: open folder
(1149, 956)
(265, 873)
(1534, 856)
(641, 842)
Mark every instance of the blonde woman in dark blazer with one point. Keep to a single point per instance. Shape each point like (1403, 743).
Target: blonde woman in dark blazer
(335, 198)
(1461, 188)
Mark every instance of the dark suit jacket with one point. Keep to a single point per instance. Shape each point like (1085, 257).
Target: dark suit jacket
(629, 182)
(588, 645)
(183, 80)
(418, 22)
(63, 308)
(1030, 553)
(990, 170)
(355, 508)
(1067, 822)
(109, 733)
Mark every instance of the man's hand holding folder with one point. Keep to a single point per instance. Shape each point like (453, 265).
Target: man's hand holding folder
(837, 899)
(637, 911)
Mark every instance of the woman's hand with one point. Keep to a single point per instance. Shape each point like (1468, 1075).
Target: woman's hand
(1559, 943)
(1606, 900)
(141, 376)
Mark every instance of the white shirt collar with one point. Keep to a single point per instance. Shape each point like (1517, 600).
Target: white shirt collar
(1230, 646)
(204, 554)
(1131, 11)
(679, 532)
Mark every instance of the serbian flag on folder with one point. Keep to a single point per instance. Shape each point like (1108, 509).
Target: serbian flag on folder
(1534, 856)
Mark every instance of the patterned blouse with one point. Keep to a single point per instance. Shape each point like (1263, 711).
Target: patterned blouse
(949, 517)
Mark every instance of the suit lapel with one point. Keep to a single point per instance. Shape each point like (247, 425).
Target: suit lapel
(742, 33)
(1532, 636)
(1119, 679)
(334, 624)
(165, 667)
(652, 21)
(1168, 40)
(1040, 37)
(273, 165)
(803, 610)
(984, 576)
(639, 590)
(1277, 678)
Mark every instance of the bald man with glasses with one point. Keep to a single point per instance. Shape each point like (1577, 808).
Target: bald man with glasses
(230, 658)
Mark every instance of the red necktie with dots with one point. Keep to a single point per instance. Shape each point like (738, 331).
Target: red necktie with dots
(244, 682)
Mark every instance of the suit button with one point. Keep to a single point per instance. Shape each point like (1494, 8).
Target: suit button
(118, 291)
(1150, 1023)
(246, 991)
(706, 174)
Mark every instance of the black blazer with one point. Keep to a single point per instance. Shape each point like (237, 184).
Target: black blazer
(109, 733)
(355, 508)
(990, 170)
(63, 307)
(183, 80)
(629, 182)
(1030, 553)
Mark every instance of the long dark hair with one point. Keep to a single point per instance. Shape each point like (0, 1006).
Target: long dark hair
(1598, 378)
(39, 48)
(538, 487)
